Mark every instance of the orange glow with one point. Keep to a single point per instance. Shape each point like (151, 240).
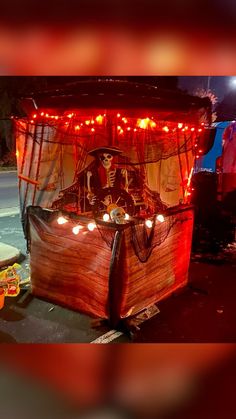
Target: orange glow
(17, 154)
(87, 122)
(143, 123)
(121, 131)
(99, 119)
(77, 127)
(153, 124)
(165, 128)
(56, 117)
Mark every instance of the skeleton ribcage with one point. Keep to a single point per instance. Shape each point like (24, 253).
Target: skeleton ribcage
(111, 177)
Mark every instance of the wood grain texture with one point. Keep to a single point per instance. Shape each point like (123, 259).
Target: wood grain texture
(70, 270)
(79, 271)
(165, 271)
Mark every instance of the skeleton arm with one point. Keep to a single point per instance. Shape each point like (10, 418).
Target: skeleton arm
(90, 195)
(125, 175)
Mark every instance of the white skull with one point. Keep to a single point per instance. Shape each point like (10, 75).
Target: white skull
(118, 215)
(106, 160)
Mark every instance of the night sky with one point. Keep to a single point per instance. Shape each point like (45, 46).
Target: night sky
(219, 85)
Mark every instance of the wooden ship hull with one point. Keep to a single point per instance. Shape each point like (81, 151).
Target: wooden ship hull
(87, 274)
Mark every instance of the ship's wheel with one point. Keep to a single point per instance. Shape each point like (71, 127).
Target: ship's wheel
(108, 196)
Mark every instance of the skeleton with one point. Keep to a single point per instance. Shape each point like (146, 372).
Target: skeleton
(118, 215)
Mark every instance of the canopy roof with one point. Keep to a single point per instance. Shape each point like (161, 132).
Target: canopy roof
(119, 94)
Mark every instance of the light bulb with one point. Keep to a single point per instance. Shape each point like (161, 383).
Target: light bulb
(91, 226)
(106, 217)
(148, 223)
(76, 229)
(126, 216)
(160, 218)
(62, 220)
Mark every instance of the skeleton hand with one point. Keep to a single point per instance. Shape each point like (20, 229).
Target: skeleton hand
(91, 198)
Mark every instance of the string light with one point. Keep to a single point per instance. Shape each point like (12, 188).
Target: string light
(106, 217)
(76, 229)
(62, 220)
(180, 125)
(148, 223)
(160, 218)
(91, 226)
(165, 128)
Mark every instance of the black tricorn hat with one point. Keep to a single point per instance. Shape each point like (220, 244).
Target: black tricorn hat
(114, 151)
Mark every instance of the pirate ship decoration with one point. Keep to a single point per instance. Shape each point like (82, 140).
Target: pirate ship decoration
(105, 181)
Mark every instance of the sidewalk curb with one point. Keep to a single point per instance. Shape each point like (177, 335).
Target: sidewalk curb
(7, 212)
(7, 171)
(9, 254)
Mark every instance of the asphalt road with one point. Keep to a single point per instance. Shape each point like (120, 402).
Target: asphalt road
(8, 190)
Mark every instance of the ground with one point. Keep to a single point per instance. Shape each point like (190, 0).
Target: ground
(203, 311)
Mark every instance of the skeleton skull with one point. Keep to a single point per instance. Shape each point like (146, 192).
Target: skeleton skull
(118, 215)
(106, 160)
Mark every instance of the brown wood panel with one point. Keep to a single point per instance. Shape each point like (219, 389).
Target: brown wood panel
(166, 270)
(70, 270)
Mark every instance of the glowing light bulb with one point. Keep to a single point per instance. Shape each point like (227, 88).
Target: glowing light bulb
(200, 130)
(160, 218)
(35, 115)
(106, 217)
(126, 216)
(125, 120)
(47, 115)
(17, 153)
(99, 119)
(165, 128)
(87, 122)
(42, 113)
(91, 226)
(62, 220)
(76, 229)
(56, 117)
(93, 129)
(192, 129)
(180, 125)
(77, 127)
(128, 129)
(148, 223)
(153, 124)
(118, 115)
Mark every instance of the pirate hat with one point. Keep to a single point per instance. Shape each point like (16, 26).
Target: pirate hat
(114, 151)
